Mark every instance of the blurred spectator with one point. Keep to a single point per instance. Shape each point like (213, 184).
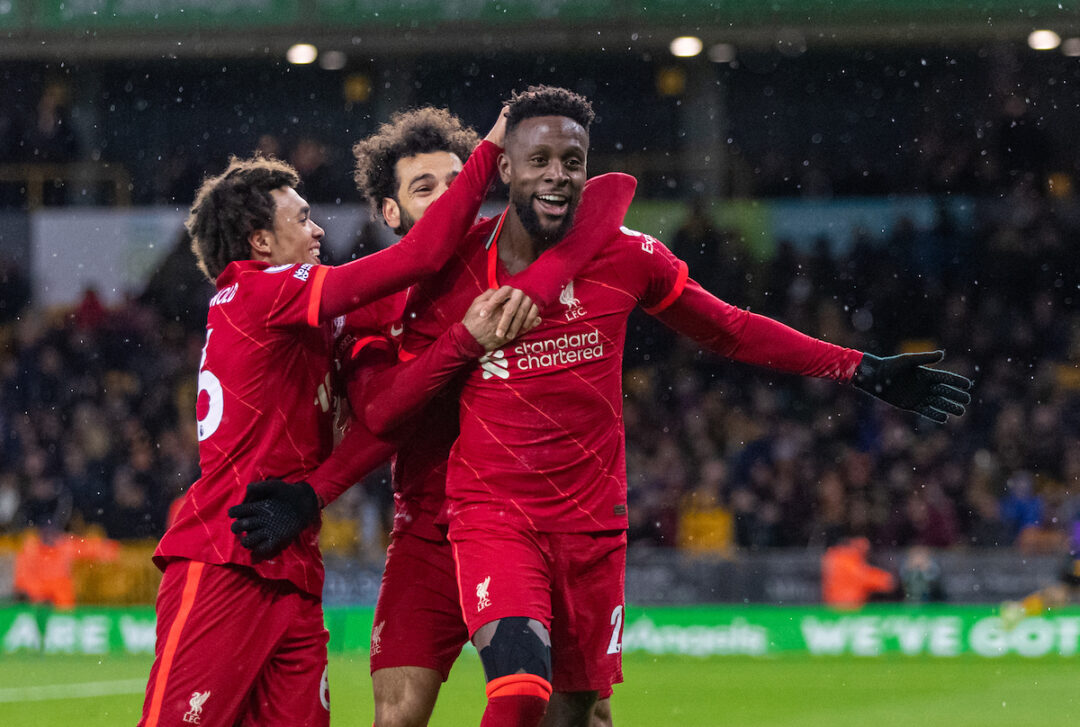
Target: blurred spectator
(45, 559)
(14, 290)
(716, 257)
(1021, 507)
(268, 145)
(847, 580)
(320, 182)
(705, 525)
(920, 577)
(177, 289)
(50, 137)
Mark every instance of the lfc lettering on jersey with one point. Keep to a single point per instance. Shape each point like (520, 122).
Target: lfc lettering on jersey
(562, 351)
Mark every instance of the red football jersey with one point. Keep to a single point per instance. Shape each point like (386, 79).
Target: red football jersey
(265, 409)
(419, 465)
(541, 431)
(266, 393)
(542, 438)
(435, 304)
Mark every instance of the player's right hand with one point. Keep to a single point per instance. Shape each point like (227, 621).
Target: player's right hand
(497, 135)
(273, 514)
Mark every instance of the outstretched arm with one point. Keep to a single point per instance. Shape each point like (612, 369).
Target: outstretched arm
(744, 336)
(903, 381)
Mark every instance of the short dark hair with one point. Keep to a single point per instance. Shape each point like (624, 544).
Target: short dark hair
(548, 101)
(232, 205)
(408, 133)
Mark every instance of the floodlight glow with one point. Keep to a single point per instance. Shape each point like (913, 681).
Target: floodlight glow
(686, 46)
(722, 53)
(333, 60)
(1071, 47)
(1044, 40)
(302, 54)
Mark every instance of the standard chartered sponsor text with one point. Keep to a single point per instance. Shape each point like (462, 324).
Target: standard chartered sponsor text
(564, 350)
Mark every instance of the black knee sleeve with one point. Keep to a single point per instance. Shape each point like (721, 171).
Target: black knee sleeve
(514, 648)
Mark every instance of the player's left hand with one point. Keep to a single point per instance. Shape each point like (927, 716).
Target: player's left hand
(519, 314)
(501, 315)
(273, 514)
(906, 381)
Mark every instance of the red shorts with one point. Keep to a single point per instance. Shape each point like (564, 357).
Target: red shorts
(570, 582)
(418, 616)
(236, 649)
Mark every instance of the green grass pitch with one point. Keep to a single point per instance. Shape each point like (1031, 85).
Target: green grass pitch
(792, 691)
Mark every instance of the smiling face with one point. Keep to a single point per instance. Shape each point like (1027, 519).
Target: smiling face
(545, 167)
(295, 237)
(421, 179)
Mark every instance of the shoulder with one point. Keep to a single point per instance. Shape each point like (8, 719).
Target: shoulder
(262, 275)
(637, 245)
(484, 228)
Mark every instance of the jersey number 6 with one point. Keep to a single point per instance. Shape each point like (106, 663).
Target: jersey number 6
(211, 400)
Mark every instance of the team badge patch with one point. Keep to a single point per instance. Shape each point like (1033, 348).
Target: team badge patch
(198, 699)
(482, 599)
(573, 305)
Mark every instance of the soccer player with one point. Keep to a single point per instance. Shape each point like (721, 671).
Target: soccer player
(418, 628)
(240, 637)
(1053, 596)
(536, 481)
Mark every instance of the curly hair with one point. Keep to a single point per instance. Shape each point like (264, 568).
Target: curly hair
(418, 131)
(548, 101)
(232, 205)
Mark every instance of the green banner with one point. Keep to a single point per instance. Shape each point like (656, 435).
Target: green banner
(940, 632)
(82, 631)
(11, 14)
(765, 631)
(432, 12)
(692, 14)
(164, 14)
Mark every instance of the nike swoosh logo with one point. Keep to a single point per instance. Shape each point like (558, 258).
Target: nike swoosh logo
(397, 330)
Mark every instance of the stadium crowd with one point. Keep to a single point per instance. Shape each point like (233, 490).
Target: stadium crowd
(95, 403)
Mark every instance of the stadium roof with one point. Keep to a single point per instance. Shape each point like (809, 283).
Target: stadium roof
(82, 29)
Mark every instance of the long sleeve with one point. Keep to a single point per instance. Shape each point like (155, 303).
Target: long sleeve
(604, 203)
(744, 336)
(394, 395)
(424, 250)
(375, 431)
(356, 456)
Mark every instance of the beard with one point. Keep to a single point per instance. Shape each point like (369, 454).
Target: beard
(405, 222)
(531, 222)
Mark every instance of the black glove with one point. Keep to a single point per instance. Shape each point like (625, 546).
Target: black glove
(272, 514)
(906, 382)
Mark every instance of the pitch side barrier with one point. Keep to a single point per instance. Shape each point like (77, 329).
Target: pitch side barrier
(752, 631)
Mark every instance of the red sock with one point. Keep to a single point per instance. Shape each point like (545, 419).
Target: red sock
(518, 700)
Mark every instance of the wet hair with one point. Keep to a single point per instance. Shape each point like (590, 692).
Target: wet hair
(408, 133)
(232, 205)
(548, 101)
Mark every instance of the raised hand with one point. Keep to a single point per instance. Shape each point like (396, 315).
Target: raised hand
(497, 135)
